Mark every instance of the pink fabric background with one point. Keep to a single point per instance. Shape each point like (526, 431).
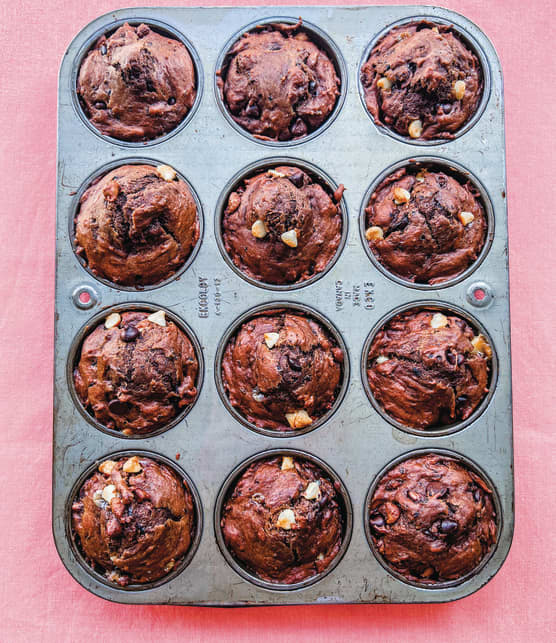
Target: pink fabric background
(39, 601)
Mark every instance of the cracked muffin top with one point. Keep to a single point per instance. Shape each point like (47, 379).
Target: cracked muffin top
(422, 81)
(136, 85)
(282, 227)
(427, 369)
(133, 520)
(282, 371)
(136, 372)
(424, 225)
(137, 225)
(282, 520)
(432, 519)
(277, 84)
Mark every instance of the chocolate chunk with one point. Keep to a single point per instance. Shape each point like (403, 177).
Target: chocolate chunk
(253, 111)
(100, 104)
(312, 86)
(171, 101)
(117, 407)
(129, 333)
(377, 521)
(448, 526)
(103, 50)
(299, 128)
(297, 178)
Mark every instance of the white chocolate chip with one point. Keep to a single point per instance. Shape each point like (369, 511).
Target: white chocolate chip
(438, 320)
(276, 175)
(435, 29)
(401, 196)
(97, 498)
(258, 229)
(466, 217)
(158, 318)
(108, 493)
(290, 238)
(132, 465)
(112, 320)
(381, 359)
(169, 565)
(320, 556)
(287, 463)
(480, 345)
(257, 395)
(299, 419)
(415, 129)
(313, 491)
(106, 467)
(270, 339)
(384, 83)
(374, 233)
(420, 176)
(166, 172)
(459, 89)
(286, 519)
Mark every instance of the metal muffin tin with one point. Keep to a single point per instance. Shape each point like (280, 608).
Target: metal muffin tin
(356, 442)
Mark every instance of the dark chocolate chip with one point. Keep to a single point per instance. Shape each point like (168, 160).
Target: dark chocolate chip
(448, 526)
(299, 128)
(103, 50)
(171, 101)
(100, 104)
(461, 400)
(460, 359)
(447, 108)
(253, 111)
(377, 521)
(312, 86)
(412, 67)
(117, 407)
(275, 46)
(129, 334)
(451, 357)
(284, 135)
(477, 495)
(297, 179)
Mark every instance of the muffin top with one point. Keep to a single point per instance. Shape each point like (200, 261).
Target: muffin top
(136, 372)
(277, 83)
(424, 225)
(136, 85)
(428, 369)
(282, 520)
(282, 227)
(282, 371)
(432, 519)
(133, 519)
(137, 225)
(422, 81)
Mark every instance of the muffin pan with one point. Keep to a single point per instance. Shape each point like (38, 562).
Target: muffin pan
(356, 442)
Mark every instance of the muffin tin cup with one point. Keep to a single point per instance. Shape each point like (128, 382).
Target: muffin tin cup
(260, 166)
(351, 298)
(471, 43)
(322, 40)
(179, 566)
(163, 28)
(279, 306)
(345, 506)
(75, 352)
(98, 174)
(441, 307)
(392, 570)
(451, 168)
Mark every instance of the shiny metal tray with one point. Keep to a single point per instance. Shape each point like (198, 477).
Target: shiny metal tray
(356, 442)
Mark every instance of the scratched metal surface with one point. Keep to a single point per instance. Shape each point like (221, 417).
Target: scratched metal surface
(356, 442)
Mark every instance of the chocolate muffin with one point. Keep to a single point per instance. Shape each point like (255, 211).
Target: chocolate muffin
(427, 369)
(282, 227)
(137, 225)
(282, 370)
(282, 520)
(432, 519)
(136, 85)
(136, 372)
(425, 226)
(277, 83)
(133, 519)
(421, 80)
